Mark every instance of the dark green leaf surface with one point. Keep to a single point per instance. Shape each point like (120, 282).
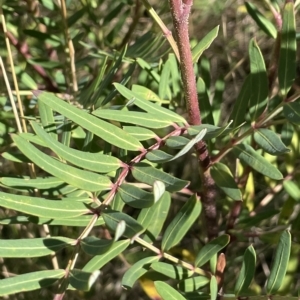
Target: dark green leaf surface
(91, 161)
(167, 292)
(249, 156)
(292, 112)
(81, 280)
(147, 174)
(204, 103)
(171, 271)
(177, 142)
(181, 223)
(193, 284)
(280, 263)
(29, 282)
(43, 208)
(94, 246)
(33, 247)
(112, 219)
(105, 130)
(137, 270)
(98, 261)
(247, 271)
(135, 197)
(287, 56)
(213, 288)
(158, 156)
(269, 141)
(210, 249)
(225, 181)
(79, 178)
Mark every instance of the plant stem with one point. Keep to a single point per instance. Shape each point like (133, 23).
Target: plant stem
(180, 10)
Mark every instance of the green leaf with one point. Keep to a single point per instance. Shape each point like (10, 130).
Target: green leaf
(287, 132)
(104, 130)
(98, 261)
(158, 156)
(45, 63)
(292, 112)
(46, 115)
(167, 292)
(163, 86)
(154, 109)
(147, 174)
(204, 104)
(249, 156)
(79, 178)
(210, 249)
(241, 103)
(247, 271)
(137, 270)
(81, 280)
(135, 197)
(263, 23)
(204, 44)
(287, 56)
(35, 247)
(147, 94)
(141, 134)
(29, 281)
(91, 161)
(212, 131)
(292, 189)
(259, 81)
(213, 288)
(225, 181)
(153, 218)
(171, 271)
(112, 219)
(94, 246)
(280, 263)
(42, 207)
(270, 141)
(78, 221)
(177, 142)
(158, 190)
(37, 183)
(193, 284)
(15, 157)
(133, 117)
(181, 223)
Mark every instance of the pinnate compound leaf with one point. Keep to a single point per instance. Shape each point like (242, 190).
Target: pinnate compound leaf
(213, 288)
(181, 223)
(147, 174)
(98, 261)
(249, 156)
(204, 44)
(171, 271)
(211, 249)
(270, 142)
(94, 246)
(292, 112)
(259, 81)
(91, 161)
(167, 292)
(247, 271)
(112, 219)
(154, 109)
(104, 130)
(280, 263)
(287, 56)
(43, 207)
(137, 270)
(79, 178)
(37, 183)
(135, 197)
(193, 284)
(33, 247)
(81, 280)
(225, 181)
(133, 117)
(29, 282)
(263, 23)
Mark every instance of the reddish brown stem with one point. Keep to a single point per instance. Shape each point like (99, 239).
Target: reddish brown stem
(180, 10)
